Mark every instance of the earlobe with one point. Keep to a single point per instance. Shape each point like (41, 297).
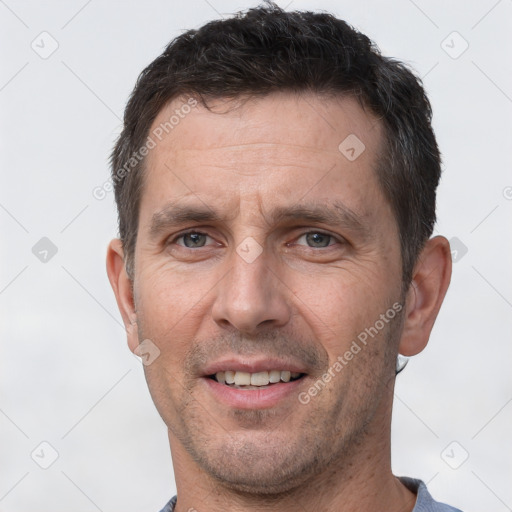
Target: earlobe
(431, 278)
(123, 290)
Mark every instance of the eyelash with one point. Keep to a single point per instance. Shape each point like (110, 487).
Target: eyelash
(195, 232)
(189, 232)
(331, 239)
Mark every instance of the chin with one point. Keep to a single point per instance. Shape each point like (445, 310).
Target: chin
(265, 478)
(258, 463)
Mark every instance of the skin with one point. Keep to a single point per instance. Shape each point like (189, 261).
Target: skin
(244, 160)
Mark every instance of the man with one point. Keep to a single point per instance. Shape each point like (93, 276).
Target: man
(275, 181)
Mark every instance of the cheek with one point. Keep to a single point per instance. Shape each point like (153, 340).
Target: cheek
(170, 314)
(171, 310)
(338, 310)
(167, 296)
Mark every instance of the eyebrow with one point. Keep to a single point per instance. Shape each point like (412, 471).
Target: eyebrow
(335, 214)
(174, 215)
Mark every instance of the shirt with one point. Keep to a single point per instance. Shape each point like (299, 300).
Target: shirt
(424, 501)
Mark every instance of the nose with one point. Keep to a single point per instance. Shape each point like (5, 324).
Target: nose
(251, 296)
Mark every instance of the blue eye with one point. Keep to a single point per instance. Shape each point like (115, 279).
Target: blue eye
(193, 239)
(317, 240)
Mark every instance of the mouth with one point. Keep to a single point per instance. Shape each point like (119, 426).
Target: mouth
(258, 380)
(254, 383)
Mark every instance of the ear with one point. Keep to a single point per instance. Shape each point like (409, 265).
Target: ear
(122, 286)
(431, 277)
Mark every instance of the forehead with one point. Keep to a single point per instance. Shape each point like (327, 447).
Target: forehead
(283, 144)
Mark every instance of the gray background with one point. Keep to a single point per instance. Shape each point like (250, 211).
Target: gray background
(67, 377)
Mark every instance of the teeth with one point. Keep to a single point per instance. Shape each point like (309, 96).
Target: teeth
(275, 376)
(242, 379)
(259, 379)
(255, 379)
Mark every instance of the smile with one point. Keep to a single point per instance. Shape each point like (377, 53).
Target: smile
(246, 380)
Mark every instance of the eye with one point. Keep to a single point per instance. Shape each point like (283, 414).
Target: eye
(192, 239)
(317, 239)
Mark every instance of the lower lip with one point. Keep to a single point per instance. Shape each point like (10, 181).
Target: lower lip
(253, 398)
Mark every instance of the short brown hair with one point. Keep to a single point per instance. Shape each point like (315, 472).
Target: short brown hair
(265, 50)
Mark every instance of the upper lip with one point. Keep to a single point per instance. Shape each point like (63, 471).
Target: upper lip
(252, 365)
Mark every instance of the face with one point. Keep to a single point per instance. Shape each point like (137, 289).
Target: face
(267, 253)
